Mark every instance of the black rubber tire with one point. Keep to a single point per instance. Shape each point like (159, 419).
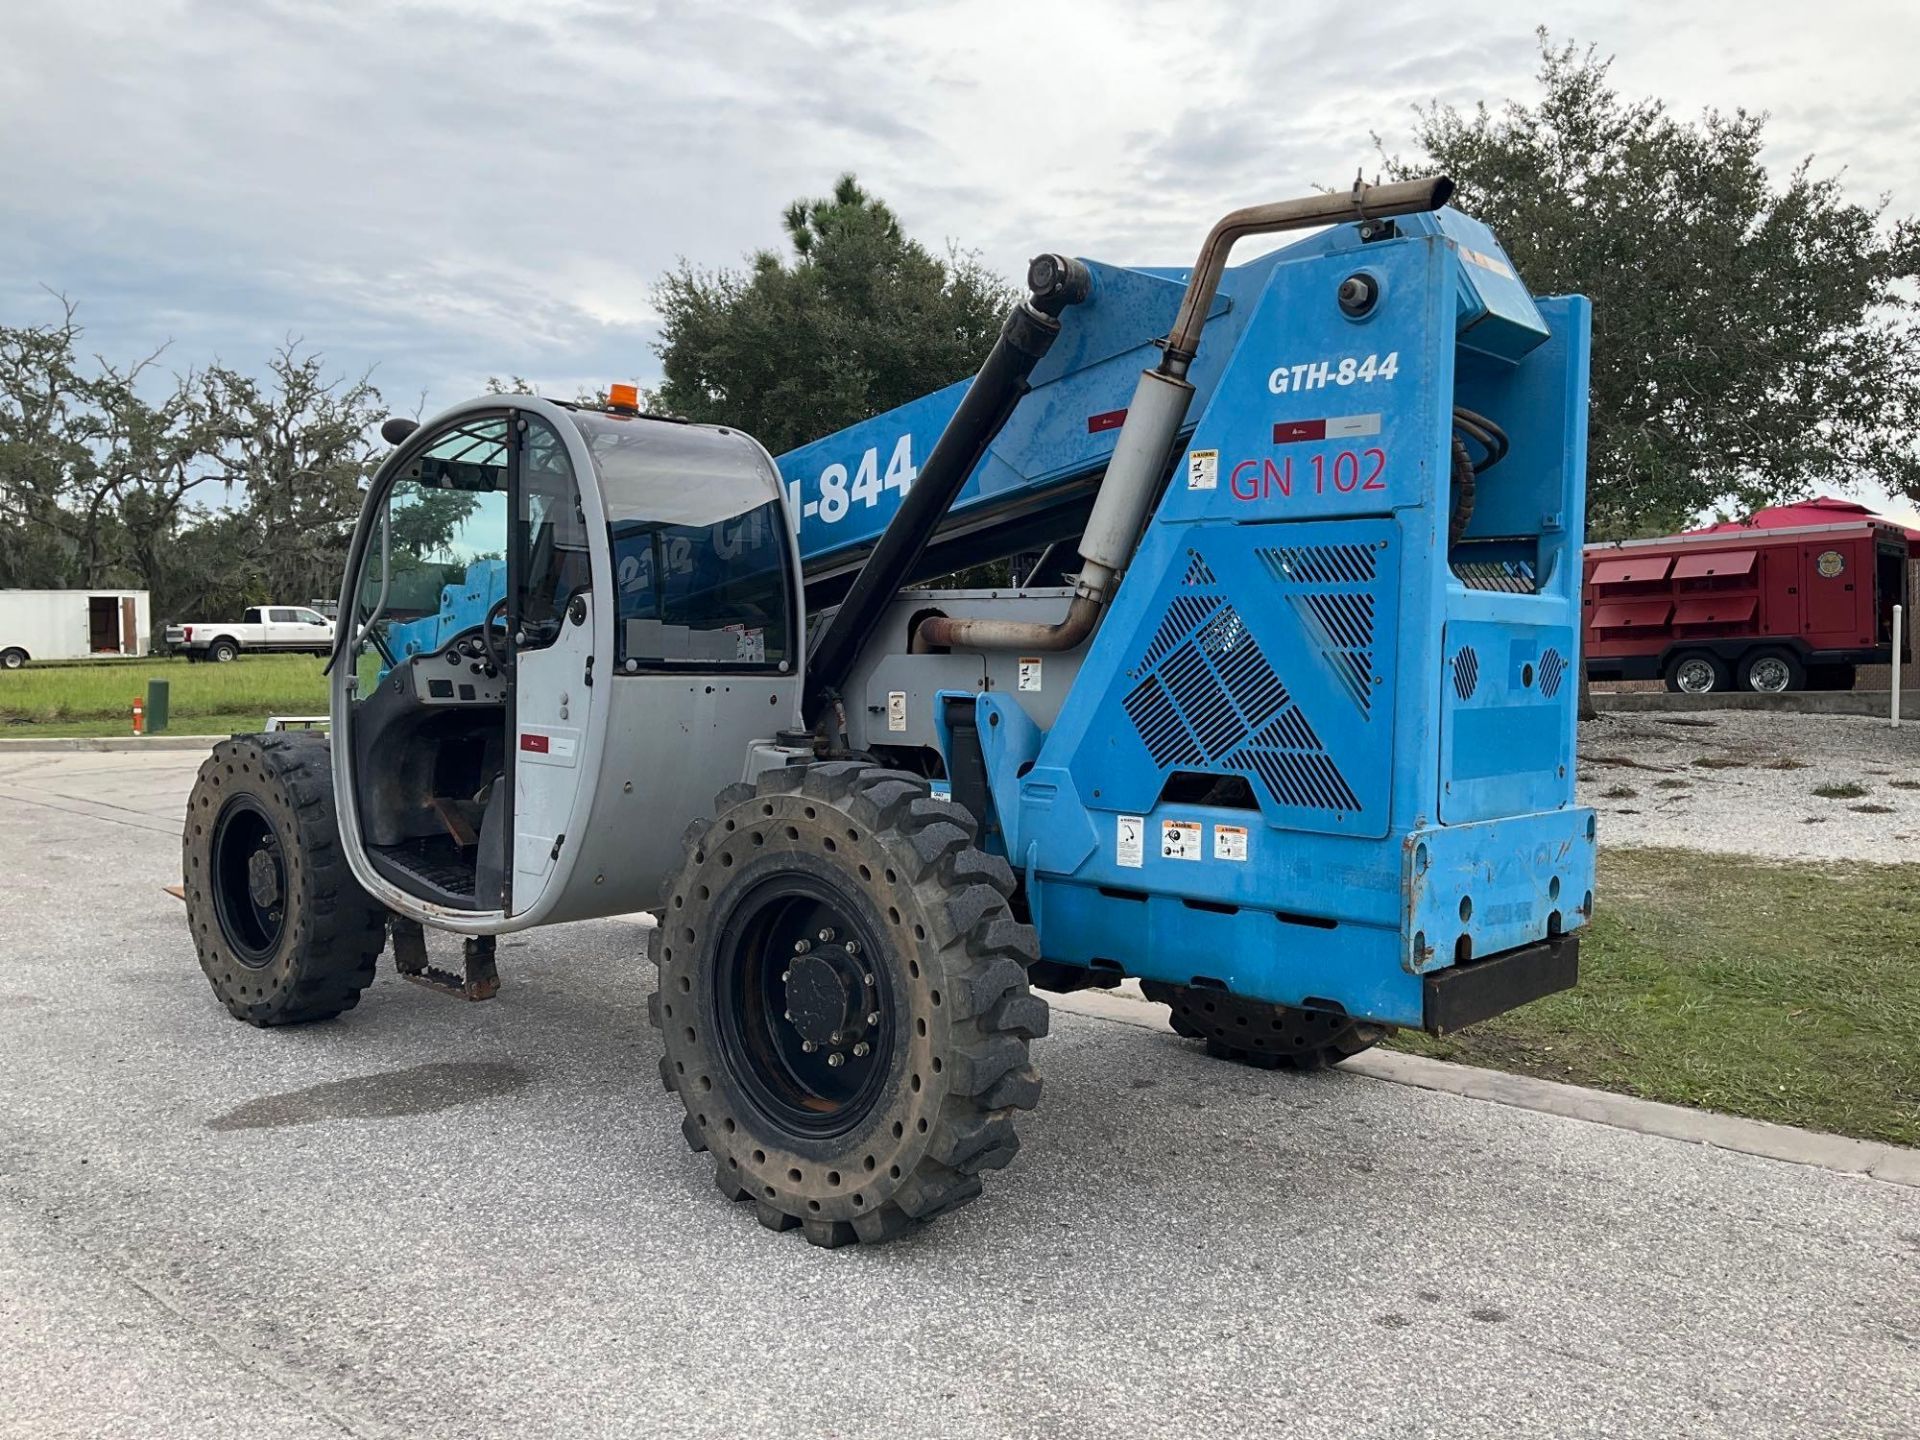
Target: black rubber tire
(1796, 673)
(332, 932)
(12, 658)
(1722, 676)
(956, 963)
(1254, 1032)
(221, 651)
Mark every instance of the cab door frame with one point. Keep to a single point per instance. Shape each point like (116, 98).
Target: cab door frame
(593, 741)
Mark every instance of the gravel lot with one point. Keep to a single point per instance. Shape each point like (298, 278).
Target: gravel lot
(1745, 782)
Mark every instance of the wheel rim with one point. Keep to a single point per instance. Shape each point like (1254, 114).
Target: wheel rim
(1769, 675)
(1695, 677)
(795, 967)
(249, 882)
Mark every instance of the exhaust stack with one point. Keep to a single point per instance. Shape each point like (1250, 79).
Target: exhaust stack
(1159, 408)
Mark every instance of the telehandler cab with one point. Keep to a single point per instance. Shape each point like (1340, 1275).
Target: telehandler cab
(1281, 721)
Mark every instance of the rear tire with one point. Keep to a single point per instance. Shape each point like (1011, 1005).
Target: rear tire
(285, 933)
(1771, 672)
(12, 658)
(800, 891)
(1270, 1037)
(221, 651)
(1697, 672)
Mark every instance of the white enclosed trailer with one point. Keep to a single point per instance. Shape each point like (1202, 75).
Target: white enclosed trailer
(71, 625)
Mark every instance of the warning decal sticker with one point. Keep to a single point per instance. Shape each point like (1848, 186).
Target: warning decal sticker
(1129, 841)
(1230, 842)
(1203, 469)
(1180, 840)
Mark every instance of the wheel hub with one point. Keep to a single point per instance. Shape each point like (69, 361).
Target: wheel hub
(822, 986)
(263, 879)
(804, 1012)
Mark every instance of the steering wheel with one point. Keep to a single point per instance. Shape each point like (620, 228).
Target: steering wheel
(494, 654)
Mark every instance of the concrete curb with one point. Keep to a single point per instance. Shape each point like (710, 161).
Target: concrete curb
(1875, 704)
(108, 744)
(1893, 1164)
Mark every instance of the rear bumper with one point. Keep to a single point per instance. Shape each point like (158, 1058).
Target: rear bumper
(1465, 994)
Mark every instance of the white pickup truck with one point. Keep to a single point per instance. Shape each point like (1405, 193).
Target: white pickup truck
(262, 630)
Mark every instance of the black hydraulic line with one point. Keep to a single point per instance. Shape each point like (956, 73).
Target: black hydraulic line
(1030, 329)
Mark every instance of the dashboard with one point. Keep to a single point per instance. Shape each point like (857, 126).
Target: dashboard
(459, 673)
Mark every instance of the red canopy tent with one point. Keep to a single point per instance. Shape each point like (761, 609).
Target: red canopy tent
(1823, 510)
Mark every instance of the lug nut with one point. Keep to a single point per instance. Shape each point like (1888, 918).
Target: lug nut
(808, 1047)
(861, 1048)
(834, 1039)
(873, 1017)
(853, 947)
(785, 976)
(788, 1015)
(800, 947)
(825, 935)
(836, 1059)
(867, 979)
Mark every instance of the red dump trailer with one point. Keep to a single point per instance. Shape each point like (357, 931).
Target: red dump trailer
(1763, 610)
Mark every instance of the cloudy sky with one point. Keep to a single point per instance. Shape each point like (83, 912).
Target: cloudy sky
(447, 189)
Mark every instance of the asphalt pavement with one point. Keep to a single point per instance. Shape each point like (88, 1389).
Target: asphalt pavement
(434, 1218)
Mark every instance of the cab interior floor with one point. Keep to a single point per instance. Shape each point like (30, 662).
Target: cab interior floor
(435, 860)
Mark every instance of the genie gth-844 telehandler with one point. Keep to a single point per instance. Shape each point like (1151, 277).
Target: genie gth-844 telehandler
(1281, 721)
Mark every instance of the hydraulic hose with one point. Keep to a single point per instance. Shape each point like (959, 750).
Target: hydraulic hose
(1054, 282)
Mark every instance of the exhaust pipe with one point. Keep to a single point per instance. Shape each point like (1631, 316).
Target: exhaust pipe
(1159, 408)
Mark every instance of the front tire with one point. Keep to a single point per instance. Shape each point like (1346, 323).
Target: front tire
(843, 1000)
(285, 933)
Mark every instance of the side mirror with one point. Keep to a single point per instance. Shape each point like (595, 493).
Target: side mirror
(397, 428)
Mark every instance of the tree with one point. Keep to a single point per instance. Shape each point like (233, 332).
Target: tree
(1752, 341)
(96, 463)
(861, 319)
(303, 444)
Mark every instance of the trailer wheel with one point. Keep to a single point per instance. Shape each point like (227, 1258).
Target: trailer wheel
(1697, 672)
(1772, 672)
(284, 932)
(221, 651)
(12, 658)
(1254, 1032)
(844, 1004)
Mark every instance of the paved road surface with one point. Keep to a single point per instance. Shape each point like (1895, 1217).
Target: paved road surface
(440, 1219)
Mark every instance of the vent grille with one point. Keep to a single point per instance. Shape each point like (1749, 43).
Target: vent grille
(1289, 758)
(1208, 696)
(1198, 571)
(1329, 588)
(1553, 669)
(1161, 729)
(1466, 672)
(1512, 577)
(1183, 615)
(1320, 564)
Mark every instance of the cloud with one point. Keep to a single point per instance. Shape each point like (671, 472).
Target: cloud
(449, 189)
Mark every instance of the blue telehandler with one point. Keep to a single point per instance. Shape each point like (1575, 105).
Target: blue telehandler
(1279, 720)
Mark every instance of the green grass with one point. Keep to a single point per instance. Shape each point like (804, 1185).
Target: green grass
(97, 698)
(1843, 790)
(1786, 993)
